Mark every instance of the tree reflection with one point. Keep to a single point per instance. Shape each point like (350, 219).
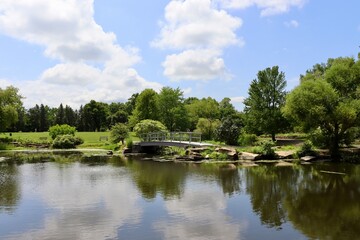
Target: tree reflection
(153, 177)
(327, 206)
(9, 186)
(268, 186)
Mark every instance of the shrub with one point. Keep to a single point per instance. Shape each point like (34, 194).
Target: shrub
(306, 149)
(218, 156)
(63, 129)
(118, 133)
(265, 148)
(66, 141)
(147, 126)
(247, 139)
(129, 143)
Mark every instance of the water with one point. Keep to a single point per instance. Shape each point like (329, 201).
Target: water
(77, 197)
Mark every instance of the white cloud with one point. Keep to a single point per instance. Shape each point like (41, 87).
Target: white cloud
(237, 99)
(268, 7)
(195, 65)
(196, 24)
(69, 33)
(202, 31)
(292, 23)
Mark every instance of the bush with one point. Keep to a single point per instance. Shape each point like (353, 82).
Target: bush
(147, 126)
(129, 143)
(218, 156)
(265, 148)
(306, 149)
(246, 139)
(59, 130)
(66, 142)
(118, 133)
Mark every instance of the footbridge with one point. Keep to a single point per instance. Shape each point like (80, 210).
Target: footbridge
(168, 139)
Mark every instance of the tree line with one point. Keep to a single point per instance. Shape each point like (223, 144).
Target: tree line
(326, 104)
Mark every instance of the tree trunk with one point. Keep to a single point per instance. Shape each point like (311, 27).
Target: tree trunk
(273, 137)
(334, 145)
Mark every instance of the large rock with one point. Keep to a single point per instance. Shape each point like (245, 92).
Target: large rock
(249, 156)
(285, 154)
(308, 158)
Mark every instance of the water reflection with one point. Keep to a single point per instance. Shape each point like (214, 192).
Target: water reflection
(102, 197)
(9, 188)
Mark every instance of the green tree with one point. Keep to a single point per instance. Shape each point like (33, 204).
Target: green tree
(229, 130)
(226, 108)
(118, 133)
(94, 116)
(147, 126)
(263, 106)
(146, 107)
(207, 128)
(205, 108)
(328, 100)
(59, 130)
(10, 103)
(172, 111)
(60, 115)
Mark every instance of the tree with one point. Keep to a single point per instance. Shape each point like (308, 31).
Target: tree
(146, 107)
(10, 103)
(263, 106)
(59, 130)
(119, 132)
(94, 116)
(60, 115)
(172, 111)
(205, 108)
(226, 108)
(207, 128)
(148, 126)
(34, 119)
(328, 101)
(229, 130)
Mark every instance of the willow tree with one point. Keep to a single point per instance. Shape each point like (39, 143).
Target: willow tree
(10, 102)
(263, 106)
(328, 100)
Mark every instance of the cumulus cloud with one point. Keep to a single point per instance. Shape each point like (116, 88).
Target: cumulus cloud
(201, 31)
(292, 23)
(195, 65)
(69, 33)
(267, 7)
(196, 24)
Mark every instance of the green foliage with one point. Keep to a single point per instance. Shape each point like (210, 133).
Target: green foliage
(327, 102)
(66, 141)
(263, 106)
(10, 103)
(218, 156)
(207, 128)
(146, 107)
(307, 149)
(129, 142)
(229, 130)
(118, 133)
(170, 151)
(247, 139)
(172, 112)
(205, 108)
(59, 130)
(265, 148)
(147, 126)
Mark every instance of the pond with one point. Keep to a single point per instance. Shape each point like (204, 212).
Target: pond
(75, 196)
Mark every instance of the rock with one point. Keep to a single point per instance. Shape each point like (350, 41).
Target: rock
(249, 156)
(109, 153)
(308, 158)
(231, 152)
(196, 150)
(127, 150)
(285, 154)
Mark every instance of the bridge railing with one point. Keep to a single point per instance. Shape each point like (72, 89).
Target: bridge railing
(171, 136)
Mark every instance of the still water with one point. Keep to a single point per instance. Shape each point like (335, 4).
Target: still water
(78, 197)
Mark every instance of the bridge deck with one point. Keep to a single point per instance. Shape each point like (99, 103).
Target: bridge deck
(177, 139)
(174, 144)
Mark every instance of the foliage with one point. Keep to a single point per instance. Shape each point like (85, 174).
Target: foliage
(94, 116)
(226, 109)
(66, 141)
(327, 101)
(229, 130)
(207, 128)
(118, 133)
(129, 142)
(59, 130)
(207, 108)
(147, 126)
(307, 149)
(146, 107)
(10, 102)
(263, 106)
(172, 111)
(265, 148)
(218, 156)
(247, 139)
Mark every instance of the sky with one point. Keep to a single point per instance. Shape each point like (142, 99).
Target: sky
(74, 51)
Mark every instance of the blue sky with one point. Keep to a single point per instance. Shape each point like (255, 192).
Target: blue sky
(72, 51)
